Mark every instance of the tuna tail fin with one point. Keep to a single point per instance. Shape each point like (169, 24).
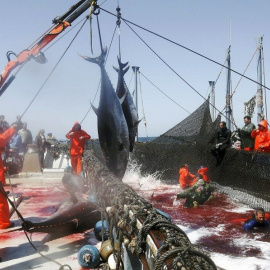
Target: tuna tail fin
(122, 66)
(94, 109)
(116, 69)
(100, 60)
(123, 70)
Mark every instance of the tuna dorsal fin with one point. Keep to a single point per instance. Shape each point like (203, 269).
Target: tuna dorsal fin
(94, 109)
(122, 98)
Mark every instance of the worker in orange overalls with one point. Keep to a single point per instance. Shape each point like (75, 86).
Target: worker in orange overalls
(4, 139)
(262, 137)
(4, 209)
(203, 171)
(186, 179)
(77, 138)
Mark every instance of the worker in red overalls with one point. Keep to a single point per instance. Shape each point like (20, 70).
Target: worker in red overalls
(186, 179)
(4, 209)
(203, 171)
(77, 138)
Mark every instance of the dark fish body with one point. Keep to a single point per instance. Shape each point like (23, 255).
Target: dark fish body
(128, 106)
(112, 126)
(68, 217)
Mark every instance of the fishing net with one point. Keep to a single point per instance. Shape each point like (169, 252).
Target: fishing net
(242, 175)
(123, 209)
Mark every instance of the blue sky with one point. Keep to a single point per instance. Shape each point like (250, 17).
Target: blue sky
(202, 26)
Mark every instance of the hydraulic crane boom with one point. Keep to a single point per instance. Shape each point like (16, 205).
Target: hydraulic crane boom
(61, 23)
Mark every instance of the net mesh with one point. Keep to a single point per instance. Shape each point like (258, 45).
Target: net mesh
(242, 175)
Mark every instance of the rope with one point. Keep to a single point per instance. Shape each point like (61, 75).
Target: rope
(144, 118)
(53, 69)
(244, 73)
(63, 35)
(173, 42)
(162, 61)
(176, 72)
(90, 24)
(118, 22)
(239, 83)
(165, 94)
(99, 84)
(99, 34)
(39, 38)
(22, 65)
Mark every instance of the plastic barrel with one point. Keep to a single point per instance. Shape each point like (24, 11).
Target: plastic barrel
(88, 256)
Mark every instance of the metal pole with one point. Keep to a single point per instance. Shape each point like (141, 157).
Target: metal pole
(135, 70)
(228, 93)
(259, 85)
(213, 112)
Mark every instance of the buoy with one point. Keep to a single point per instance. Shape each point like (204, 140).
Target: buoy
(88, 256)
(98, 230)
(106, 250)
(112, 262)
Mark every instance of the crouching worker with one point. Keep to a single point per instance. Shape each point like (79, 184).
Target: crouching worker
(196, 195)
(257, 221)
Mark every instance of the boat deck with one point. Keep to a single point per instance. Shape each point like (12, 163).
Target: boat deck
(37, 196)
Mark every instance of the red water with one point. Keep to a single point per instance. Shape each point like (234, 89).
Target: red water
(218, 216)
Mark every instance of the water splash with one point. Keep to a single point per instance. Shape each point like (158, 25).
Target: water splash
(134, 178)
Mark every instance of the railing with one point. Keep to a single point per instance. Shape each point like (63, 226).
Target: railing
(144, 233)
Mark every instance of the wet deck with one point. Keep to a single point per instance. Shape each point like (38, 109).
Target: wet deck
(37, 196)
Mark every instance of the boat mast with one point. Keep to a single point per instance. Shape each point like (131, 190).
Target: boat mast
(136, 70)
(259, 80)
(213, 112)
(228, 92)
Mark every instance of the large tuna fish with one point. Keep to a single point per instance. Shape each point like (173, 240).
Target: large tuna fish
(112, 126)
(68, 217)
(128, 106)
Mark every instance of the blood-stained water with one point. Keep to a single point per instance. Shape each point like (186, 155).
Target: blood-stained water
(215, 226)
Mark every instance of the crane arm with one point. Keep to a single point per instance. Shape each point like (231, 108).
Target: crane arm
(62, 23)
